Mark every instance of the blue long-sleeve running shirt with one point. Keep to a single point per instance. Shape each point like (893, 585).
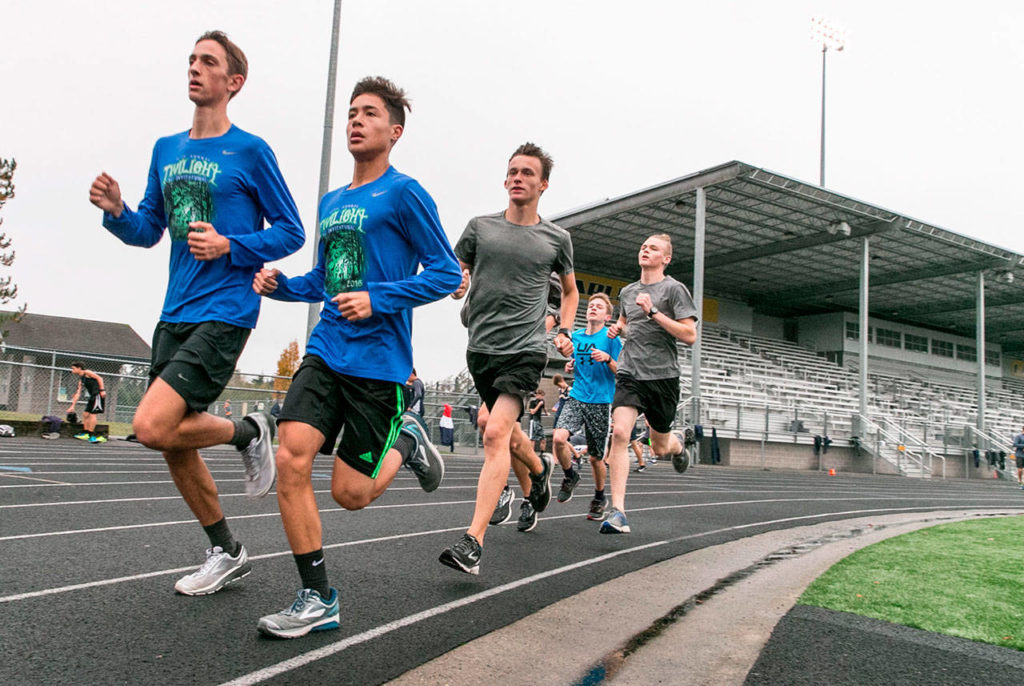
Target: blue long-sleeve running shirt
(373, 238)
(232, 182)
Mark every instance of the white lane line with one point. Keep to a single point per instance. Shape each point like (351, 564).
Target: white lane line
(234, 518)
(147, 575)
(390, 489)
(12, 475)
(471, 483)
(345, 643)
(328, 510)
(179, 570)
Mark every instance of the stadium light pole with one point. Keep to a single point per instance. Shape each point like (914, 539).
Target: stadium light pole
(829, 36)
(313, 316)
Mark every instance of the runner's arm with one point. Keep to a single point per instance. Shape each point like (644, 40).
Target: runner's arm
(285, 234)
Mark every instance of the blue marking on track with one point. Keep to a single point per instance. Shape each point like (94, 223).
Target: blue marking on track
(8, 468)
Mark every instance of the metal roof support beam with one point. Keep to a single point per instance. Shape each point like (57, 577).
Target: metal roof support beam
(666, 191)
(980, 344)
(865, 280)
(801, 243)
(699, 230)
(835, 287)
(946, 306)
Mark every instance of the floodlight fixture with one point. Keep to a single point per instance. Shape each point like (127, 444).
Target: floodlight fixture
(839, 228)
(1005, 276)
(828, 34)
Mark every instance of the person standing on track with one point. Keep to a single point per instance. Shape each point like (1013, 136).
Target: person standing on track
(658, 311)
(350, 388)
(95, 395)
(511, 255)
(212, 188)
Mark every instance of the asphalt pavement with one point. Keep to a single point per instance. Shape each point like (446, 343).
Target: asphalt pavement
(92, 538)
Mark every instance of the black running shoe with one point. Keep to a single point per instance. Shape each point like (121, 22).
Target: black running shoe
(424, 461)
(568, 484)
(463, 556)
(503, 510)
(681, 460)
(527, 517)
(596, 510)
(641, 468)
(540, 490)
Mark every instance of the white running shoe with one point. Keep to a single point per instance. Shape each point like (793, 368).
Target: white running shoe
(219, 570)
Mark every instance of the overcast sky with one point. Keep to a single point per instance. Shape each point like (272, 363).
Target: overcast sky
(924, 111)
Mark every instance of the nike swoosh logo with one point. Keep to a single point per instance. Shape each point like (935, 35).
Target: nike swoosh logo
(318, 562)
(227, 152)
(183, 378)
(378, 194)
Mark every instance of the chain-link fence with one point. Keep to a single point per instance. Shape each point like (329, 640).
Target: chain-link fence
(34, 383)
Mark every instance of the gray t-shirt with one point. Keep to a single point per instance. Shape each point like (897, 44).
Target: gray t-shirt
(649, 351)
(511, 265)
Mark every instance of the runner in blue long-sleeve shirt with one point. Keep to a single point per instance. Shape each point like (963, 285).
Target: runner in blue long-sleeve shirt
(212, 188)
(375, 233)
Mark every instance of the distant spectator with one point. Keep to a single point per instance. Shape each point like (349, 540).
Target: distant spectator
(537, 410)
(447, 425)
(414, 394)
(275, 409)
(227, 409)
(1018, 453)
(563, 394)
(95, 397)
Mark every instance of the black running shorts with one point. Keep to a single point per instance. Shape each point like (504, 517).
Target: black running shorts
(366, 413)
(517, 374)
(197, 360)
(656, 398)
(94, 404)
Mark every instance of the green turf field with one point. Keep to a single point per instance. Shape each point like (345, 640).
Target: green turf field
(964, 579)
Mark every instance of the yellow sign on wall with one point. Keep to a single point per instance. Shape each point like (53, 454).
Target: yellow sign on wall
(1016, 368)
(588, 284)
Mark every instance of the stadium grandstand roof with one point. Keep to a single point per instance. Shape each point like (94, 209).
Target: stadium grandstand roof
(790, 248)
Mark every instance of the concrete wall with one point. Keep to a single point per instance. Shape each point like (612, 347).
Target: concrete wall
(852, 347)
(747, 453)
(769, 327)
(822, 332)
(734, 315)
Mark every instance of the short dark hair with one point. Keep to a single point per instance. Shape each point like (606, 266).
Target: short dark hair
(532, 150)
(237, 63)
(394, 97)
(79, 365)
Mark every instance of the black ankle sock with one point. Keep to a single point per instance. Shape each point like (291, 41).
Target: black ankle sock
(245, 430)
(404, 444)
(313, 571)
(598, 495)
(570, 472)
(220, 535)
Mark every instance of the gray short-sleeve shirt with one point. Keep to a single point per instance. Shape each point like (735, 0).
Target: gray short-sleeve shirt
(649, 351)
(511, 265)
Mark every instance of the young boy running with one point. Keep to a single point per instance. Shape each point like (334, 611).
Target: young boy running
(212, 187)
(511, 254)
(657, 311)
(375, 233)
(588, 408)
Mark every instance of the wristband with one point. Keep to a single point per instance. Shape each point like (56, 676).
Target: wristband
(566, 332)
